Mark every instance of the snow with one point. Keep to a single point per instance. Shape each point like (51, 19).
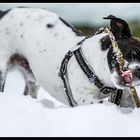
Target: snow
(23, 116)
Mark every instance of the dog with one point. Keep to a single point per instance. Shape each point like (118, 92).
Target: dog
(37, 42)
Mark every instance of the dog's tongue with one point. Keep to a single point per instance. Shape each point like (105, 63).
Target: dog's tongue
(127, 76)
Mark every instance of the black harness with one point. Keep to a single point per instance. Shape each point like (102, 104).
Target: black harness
(116, 94)
(64, 77)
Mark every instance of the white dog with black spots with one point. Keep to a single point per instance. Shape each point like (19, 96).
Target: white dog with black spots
(36, 41)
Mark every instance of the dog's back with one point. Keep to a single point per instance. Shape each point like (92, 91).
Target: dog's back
(43, 38)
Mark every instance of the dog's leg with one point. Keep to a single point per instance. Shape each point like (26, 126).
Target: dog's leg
(127, 100)
(3, 74)
(31, 88)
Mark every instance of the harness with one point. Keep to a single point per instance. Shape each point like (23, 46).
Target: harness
(64, 76)
(116, 94)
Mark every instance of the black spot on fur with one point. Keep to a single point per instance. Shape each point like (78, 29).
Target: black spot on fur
(21, 36)
(130, 49)
(20, 60)
(129, 45)
(50, 25)
(7, 31)
(77, 32)
(21, 24)
(105, 43)
(101, 102)
(55, 34)
(111, 59)
(44, 50)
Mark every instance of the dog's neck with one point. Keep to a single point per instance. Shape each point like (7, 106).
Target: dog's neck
(97, 58)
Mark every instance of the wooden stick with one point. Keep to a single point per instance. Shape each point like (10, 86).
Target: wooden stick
(121, 62)
(135, 96)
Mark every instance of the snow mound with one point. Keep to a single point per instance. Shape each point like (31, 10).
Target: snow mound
(23, 116)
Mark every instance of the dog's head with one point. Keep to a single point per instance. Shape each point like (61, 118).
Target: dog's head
(130, 48)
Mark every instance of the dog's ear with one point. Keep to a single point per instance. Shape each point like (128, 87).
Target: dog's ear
(119, 27)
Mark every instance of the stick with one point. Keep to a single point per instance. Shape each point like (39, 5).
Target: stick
(121, 62)
(135, 96)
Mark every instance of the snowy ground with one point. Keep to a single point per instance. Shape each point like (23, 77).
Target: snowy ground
(23, 116)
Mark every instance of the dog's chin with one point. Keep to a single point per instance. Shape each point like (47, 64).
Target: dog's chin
(123, 82)
(120, 83)
(136, 82)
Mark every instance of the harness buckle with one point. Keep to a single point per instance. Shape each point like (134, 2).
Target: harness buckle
(107, 90)
(115, 97)
(104, 90)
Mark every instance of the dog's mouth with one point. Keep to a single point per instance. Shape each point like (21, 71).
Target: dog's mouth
(122, 78)
(126, 77)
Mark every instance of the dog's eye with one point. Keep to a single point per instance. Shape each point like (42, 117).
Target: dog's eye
(105, 43)
(131, 56)
(135, 55)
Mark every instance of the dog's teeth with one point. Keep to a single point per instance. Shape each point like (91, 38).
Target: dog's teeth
(127, 77)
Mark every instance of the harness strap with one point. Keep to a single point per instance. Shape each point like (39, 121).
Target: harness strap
(116, 94)
(90, 74)
(64, 77)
